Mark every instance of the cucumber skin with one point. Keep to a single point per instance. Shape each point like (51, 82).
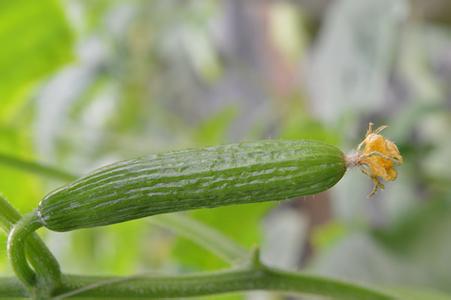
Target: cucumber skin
(267, 170)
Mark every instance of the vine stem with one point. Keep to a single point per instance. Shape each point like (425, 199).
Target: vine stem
(39, 255)
(214, 283)
(16, 248)
(254, 277)
(49, 279)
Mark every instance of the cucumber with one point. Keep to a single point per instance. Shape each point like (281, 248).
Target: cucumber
(216, 176)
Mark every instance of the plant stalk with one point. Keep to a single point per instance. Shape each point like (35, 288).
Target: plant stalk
(17, 239)
(236, 280)
(213, 283)
(39, 255)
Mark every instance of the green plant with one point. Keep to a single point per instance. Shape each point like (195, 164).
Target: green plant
(216, 176)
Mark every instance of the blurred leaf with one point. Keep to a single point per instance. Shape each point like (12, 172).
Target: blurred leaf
(287, 29)
(239, 222)
(120, 259)
(21, 188)
(95, 11)
(325, 236)
(422, 240)
(213, 130)
(35, 167)
(359, 257)
(107, 250)
(413, 226)
(411, 252)
(200, 51)
(202, 235)
(415, 64)
(35, 40)
(415, 293)
(297, 124)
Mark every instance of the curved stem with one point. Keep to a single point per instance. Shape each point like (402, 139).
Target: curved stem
(43, 261)
(8, 215)
(39, 255)
(16, 248)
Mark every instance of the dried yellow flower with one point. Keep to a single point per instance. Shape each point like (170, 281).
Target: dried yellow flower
(376, 157)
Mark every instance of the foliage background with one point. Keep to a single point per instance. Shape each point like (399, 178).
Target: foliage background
(88, 82)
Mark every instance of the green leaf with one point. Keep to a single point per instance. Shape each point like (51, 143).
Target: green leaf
(21, 188)
(213, 130)
(35, 39)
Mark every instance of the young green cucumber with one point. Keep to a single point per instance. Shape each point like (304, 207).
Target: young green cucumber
(230, 174)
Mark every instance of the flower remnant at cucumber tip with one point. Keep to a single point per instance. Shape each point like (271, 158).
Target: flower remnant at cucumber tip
(376, 157)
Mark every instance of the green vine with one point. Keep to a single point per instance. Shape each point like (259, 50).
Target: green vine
(253, 277)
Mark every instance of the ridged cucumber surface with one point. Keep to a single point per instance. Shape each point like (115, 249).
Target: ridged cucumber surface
(229, 174)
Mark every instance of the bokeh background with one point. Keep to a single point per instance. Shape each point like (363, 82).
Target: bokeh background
(87, 82)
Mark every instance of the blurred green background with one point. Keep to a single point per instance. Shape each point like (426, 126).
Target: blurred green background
(87, 82)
